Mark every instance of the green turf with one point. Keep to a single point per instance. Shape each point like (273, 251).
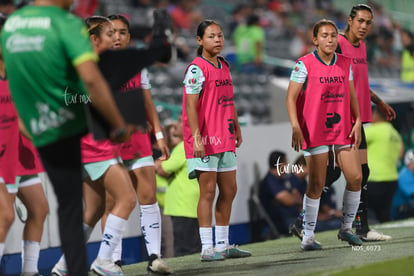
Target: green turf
(399, 267)
(284, 257)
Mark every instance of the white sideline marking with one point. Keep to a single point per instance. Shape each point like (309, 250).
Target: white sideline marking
(397, 224)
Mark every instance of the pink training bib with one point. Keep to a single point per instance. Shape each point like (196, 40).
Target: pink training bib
(323, 108)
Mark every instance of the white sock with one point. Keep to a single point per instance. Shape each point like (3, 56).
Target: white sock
(351, 203)
(112, 235)
(117, 255)
(87, 231)
(151, 228)
(1, 250)
(206, 236)
(30, 256)
(222, 237)
(310, 207)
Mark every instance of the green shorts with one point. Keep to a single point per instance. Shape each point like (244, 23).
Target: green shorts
(96, 169)
(23, 181)
(137, 163)
(220, 162)
(323, 149)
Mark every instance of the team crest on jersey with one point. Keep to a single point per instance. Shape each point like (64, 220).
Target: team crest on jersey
(205, 159)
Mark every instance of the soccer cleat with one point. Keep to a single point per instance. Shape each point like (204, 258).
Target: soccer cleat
(349, 236)
(59, 269)
(310, 244)
(210, 255)
(296, 229)
(106, 268)
(232, 251)
(373, 235)
(118, 263)
(157, 266)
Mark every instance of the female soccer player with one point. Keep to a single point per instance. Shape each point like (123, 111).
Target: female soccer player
(28, 188)
(137, 157)
(321, 115)
(351, 44)
(211, 134)
(9, 137)
(19, 157)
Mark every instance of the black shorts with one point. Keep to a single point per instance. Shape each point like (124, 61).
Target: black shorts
(363, 145)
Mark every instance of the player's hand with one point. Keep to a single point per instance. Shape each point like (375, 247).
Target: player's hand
(165, 151)
(147, 129)
(297, 139)
(387, 110)
(122, 134)
(356, 134)
(239, 138)
(198, 147)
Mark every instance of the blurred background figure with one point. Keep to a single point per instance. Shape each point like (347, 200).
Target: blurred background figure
(7, 6)
(407, 56)
(279, 196)
(239, 17)
(249, 40)
(185, 14)
(167, 237)
(385, 148)
(182, 196)
(403, 201)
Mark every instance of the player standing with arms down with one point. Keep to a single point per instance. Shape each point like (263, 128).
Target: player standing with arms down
(321, 114)
(211, 134)
(351, 44)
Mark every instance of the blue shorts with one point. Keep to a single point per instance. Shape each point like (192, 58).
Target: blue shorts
(220, 162)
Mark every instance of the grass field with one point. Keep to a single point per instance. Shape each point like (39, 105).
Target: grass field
(284, 257)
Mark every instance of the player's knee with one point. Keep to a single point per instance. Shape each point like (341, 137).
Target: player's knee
(231, 191)
(40, 212)
(208, 194)
(8, 218)
(130, 201)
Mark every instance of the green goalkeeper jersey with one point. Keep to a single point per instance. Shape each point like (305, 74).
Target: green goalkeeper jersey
(41, 47)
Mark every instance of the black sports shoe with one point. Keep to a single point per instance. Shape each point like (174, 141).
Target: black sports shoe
(297, 228)
(118, 263)
(156, 265)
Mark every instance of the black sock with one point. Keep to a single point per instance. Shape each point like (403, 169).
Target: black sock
(362, 214)
(332, 174)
